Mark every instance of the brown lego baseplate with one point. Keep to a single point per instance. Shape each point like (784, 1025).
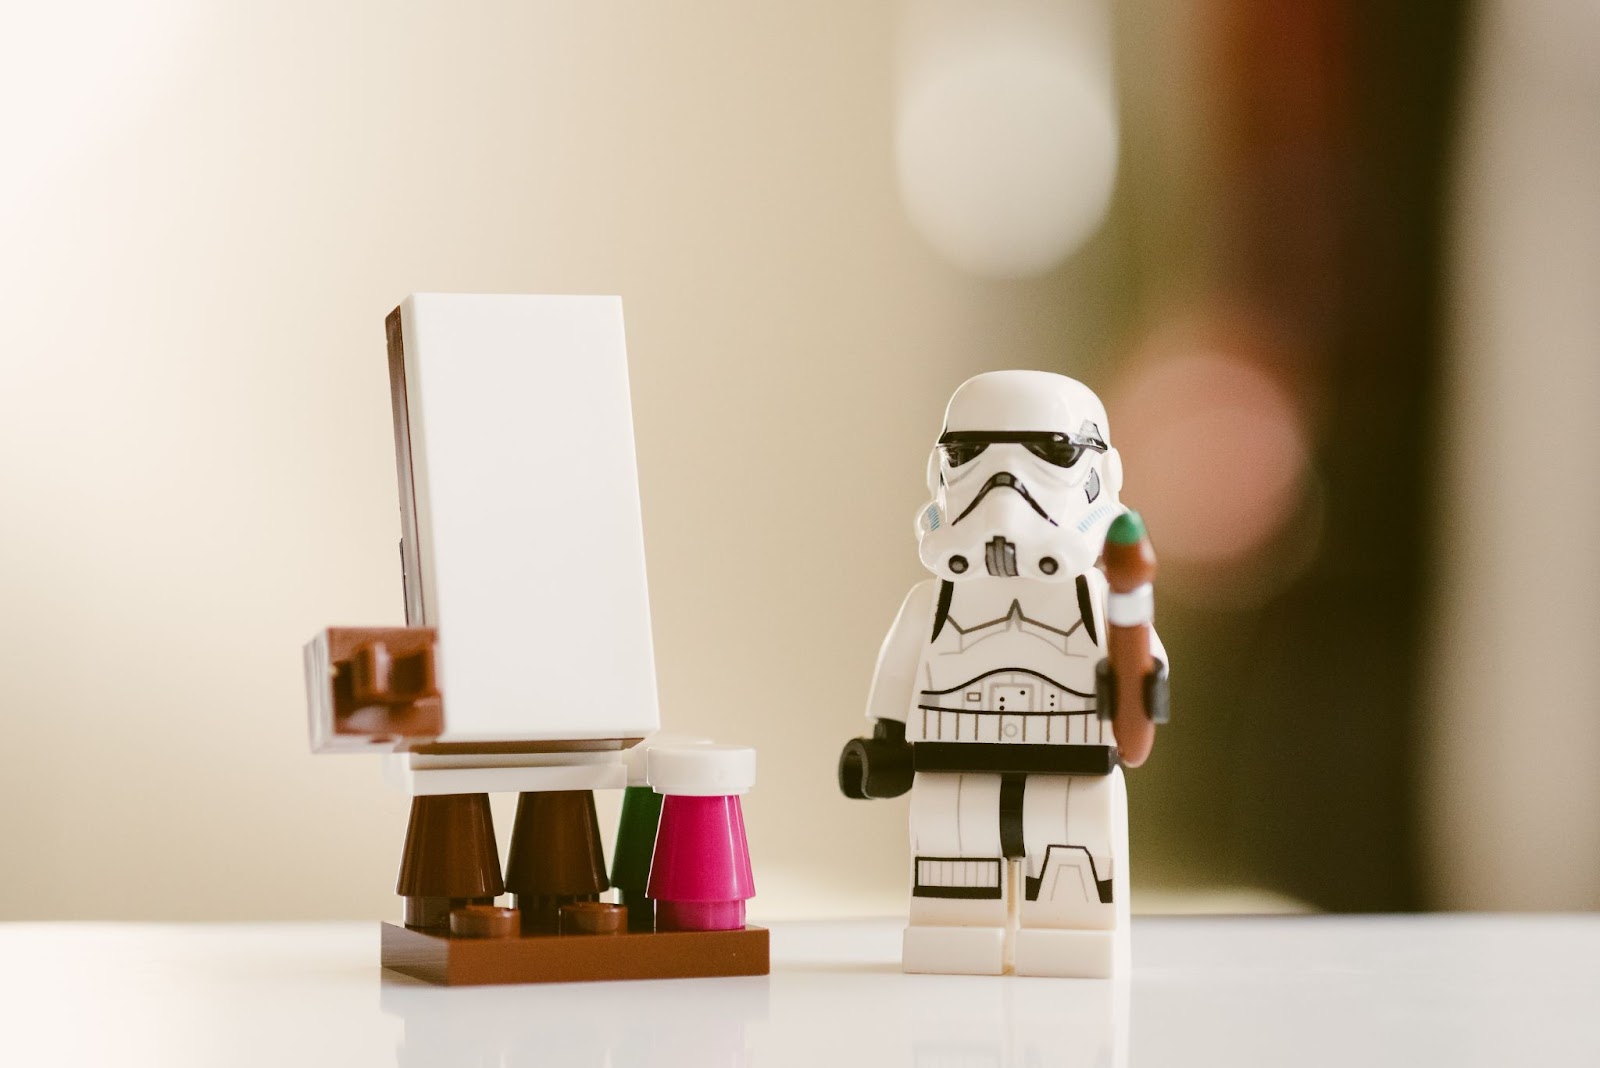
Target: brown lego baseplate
(552, 958)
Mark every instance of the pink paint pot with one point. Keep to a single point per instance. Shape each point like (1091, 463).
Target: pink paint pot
(700, 872)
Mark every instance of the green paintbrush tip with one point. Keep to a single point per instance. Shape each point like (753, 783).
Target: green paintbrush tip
(1126, 529)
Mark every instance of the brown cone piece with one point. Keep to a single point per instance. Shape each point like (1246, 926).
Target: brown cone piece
(556, 857)
(449, 859)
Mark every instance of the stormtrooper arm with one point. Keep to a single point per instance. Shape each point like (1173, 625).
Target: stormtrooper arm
(880, 766)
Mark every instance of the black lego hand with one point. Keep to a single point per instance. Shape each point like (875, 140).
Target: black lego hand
(1157, 696)
(879, 766)
(1157, 692)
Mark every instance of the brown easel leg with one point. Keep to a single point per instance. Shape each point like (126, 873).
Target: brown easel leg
(555, 855)
(449, 859)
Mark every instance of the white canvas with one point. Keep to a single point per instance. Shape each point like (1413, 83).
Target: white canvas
(529, 546)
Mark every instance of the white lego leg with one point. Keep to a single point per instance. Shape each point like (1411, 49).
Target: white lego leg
(1074, 909)
(958, 898)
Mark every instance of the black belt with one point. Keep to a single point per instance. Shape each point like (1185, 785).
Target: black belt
(1002, 758)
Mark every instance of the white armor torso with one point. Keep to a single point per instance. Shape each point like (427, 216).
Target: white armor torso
(1012, 660)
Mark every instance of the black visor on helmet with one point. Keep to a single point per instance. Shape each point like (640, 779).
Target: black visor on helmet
(1063, 450)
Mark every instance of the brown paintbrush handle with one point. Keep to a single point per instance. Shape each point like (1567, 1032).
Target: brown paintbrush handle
(1131, 662)
(1130, 565)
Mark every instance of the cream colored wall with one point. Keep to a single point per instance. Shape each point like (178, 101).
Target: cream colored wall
(206, 212)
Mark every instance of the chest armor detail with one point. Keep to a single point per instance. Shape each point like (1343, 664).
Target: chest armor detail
(1011, 660)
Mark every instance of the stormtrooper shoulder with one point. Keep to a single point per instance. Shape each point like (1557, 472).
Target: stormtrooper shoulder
(895, 677)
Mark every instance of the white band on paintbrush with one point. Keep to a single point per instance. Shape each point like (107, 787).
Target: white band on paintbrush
(1130, 609)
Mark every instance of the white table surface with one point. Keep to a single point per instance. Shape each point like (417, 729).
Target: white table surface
(1512, 991)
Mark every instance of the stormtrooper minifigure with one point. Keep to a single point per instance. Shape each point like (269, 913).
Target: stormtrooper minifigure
(993, 698)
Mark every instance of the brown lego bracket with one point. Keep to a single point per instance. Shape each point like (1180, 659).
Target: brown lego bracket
(384, 684)
(574, 958)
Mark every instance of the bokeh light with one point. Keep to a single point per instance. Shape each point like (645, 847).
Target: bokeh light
(1217, 445)
(1005, 131)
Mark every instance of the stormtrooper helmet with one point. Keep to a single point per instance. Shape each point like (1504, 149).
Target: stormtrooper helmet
(1023, 478)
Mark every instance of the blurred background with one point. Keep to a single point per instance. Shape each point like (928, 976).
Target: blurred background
(1332, 265)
